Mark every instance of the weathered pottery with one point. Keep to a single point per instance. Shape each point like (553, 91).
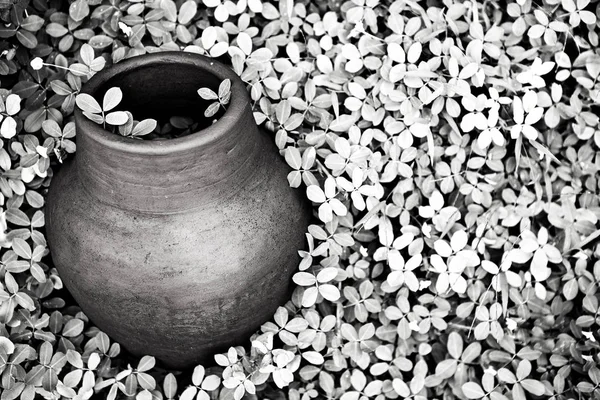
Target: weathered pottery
(182, 247)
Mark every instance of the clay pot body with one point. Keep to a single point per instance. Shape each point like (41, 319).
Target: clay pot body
(183, 247)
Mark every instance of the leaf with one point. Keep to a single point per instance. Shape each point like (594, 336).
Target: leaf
(507, 376)
(211, 110)
(304, 279)
(244, 42)
(297, 325)
(13, 104)
(533, 386)
(455, 345)
(211, 383)
(51, 128)
(9, 128)
(112, 98)
(94, 117)
(207, 94)
(329, 292)
(224, 89)
(73, 327)
(146, 363)
(27, 39)
(79, 10)
(144, 394)
(401, 388)
(144, 127)
(32, 23)
(99, 42)
(342, 124)
(17, 217)
(293, 158)
(315, 194)
(117, 118)
(189, 393)
(313, 357)
(446, 368)
(22, 249)
(25, 301)
(472, 390)
(146, 381)
(327, 274)
(187, 11)
(87, 103)
(56, 30)
(87, 55)
(294, 179)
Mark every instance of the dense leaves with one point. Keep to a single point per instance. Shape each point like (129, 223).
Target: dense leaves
(451, 152)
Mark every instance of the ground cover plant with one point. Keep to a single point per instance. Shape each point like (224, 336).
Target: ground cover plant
(450, 149)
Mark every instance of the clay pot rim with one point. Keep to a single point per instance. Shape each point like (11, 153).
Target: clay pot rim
(235, 109)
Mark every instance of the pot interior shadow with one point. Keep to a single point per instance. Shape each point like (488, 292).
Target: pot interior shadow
(147, 94)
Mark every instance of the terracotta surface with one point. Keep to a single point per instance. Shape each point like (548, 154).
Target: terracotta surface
(176, 248)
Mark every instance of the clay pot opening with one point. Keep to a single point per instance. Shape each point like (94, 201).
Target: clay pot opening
(164, 85)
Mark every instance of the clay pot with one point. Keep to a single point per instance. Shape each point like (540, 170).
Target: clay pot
(183, 247)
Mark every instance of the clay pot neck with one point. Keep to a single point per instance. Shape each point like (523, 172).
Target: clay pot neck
(164, 176)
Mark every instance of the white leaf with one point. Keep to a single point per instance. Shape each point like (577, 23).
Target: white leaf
(117, 118)
(144, 127)
(9, 128)
(293, 157)
(329, 292)
(87, 54)
(244, 42)
(211, 382)
(207, 94)
(13, 104)
(209, 37)
(112, 98)
(304, 279)
(315, 194)
(414, 52)
(327, 274)
(87, 103)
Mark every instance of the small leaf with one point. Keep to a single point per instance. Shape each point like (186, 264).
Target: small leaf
(187, 11)
(144, 127)
(293, 158)
(117, 118)
(51, 128)
(94, 117)
(534, 387)
(87, 54)
(224, 88)
(146, 363)
(207, 94)
(73, 328)
(87, 103)
(170, 386)
(112, 98)
(22, 248)
(211, 110)
(472, 390)
(455, 345)
(13, 104)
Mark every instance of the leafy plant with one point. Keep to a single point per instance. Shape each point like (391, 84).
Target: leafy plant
(222, 97)
(127, 126)
(451, 152)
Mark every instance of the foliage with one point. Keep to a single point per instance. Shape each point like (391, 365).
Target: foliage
(222, 98)
(452, 155)
(124, 121)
